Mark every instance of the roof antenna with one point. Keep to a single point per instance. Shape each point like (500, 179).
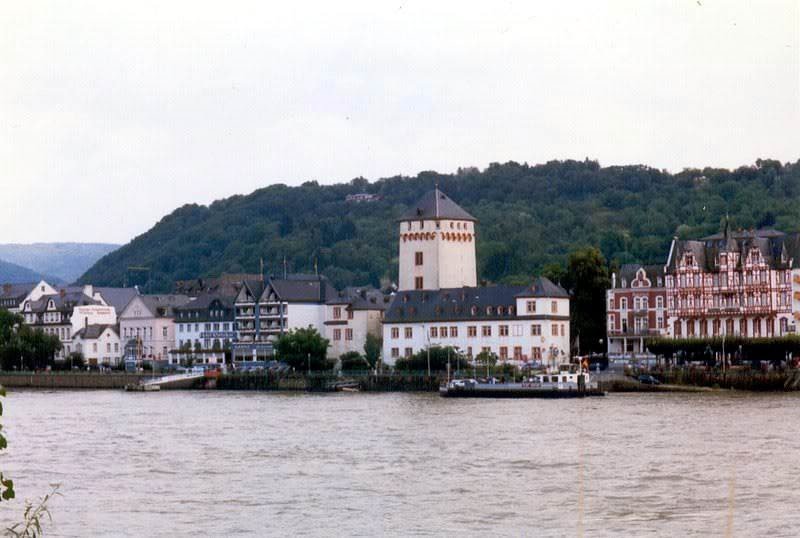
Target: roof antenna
(436, 197)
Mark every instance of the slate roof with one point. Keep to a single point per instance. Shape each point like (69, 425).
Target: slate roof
(544, 287)
(628, 273)
(225, 284)
(361, 298)
(64, 301)
(117, 297)
(92, 332)
(777, 248)
(301, 288)
(163, 306)
(436, 205)
(16, 291)
(465, 304)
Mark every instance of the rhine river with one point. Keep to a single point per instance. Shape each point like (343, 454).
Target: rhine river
(268, 464)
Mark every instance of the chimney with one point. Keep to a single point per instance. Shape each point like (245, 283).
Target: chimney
(613, 280)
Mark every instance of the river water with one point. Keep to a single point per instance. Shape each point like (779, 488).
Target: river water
(268, 464)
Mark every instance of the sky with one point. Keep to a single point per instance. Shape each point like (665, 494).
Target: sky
(113, 114)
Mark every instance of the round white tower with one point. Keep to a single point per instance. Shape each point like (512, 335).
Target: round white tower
(437, 245)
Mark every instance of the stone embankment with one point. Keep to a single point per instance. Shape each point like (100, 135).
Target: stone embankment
(70, 380)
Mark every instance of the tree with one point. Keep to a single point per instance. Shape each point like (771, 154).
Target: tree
(439, 358)
(587, 281)
(372, 349)
(24, 347)
(300, 347)
(353, 360)
(486, 358)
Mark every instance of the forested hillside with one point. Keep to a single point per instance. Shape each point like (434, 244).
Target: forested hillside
(529, 217)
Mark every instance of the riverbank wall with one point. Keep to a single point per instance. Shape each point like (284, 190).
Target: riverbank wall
(749, 380)
(70, 380)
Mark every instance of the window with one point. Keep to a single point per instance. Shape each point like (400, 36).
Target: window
(530, 306)
(395, 352)
(472, 331)
(409, 352)
(94, 347)
(536, 330)
(409, 332)
(337, 334)
(503, 330)
(418, 284)
(108, 347)
(517, 353)
(554, 307)
(536, 353)
(453, 332)
(443, 332)
(563, 329)
(486, 330)
(503, 352)
(180, 327)
(623, 303)
(555, 329)
(434, 332)
(395, 332)
(418, 258)
(349, 314)
(659, 302)
(116, 347)
(516, 330)
(337, 312)
(348, 334)
(469, 351)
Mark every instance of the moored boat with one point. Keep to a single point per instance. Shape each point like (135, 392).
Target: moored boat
(563, 384)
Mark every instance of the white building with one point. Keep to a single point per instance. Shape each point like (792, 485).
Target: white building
(351, 315)
(149, 320)
(99, 344)
(205, 329)
(438, 303)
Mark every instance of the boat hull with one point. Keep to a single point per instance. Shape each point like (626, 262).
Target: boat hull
(516, 392)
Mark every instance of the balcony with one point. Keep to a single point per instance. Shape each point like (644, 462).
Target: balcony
(635, 332)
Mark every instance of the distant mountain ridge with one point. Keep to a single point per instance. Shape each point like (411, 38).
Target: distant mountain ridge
(15, 274)
(64, 261)
(529, 217)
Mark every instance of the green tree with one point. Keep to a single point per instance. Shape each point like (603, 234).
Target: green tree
(372, 349)
(300, 347)
(439, 358)
(353, 360)
(587, 281)
(486, 358)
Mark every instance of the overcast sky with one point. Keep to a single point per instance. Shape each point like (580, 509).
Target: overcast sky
(112, 114)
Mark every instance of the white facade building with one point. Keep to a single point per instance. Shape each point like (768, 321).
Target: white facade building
(99, 344)
(438, 303)
(149, 320)
(351, 316)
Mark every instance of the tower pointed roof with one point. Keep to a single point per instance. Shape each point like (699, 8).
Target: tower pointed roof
(436, 205)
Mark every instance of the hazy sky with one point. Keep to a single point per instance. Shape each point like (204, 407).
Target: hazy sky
(112, 114)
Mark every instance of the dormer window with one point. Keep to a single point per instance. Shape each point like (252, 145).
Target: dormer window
(501, 310)
(489, 310)
(474, 310)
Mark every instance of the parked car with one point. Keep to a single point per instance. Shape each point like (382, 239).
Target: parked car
(648, 380)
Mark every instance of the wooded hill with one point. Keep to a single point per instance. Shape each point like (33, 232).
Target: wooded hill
(529, 217)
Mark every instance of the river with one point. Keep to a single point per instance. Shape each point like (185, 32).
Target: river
(191, 463)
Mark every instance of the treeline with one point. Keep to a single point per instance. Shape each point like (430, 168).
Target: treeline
(529, 217)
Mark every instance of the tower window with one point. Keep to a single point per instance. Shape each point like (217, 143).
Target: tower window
(418, 258)
(418, 284)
